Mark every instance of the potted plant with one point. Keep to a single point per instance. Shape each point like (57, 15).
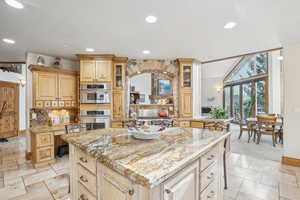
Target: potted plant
(218, 113)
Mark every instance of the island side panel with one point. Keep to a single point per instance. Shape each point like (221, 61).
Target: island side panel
(73, 172)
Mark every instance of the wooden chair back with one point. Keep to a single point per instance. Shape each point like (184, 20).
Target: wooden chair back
(266, 124)
(74, 128)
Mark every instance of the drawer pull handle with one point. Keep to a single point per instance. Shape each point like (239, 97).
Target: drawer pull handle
(168, 191)
(212, 194)
(131, 192)
(210, 157)
(82, 197)
(82, 159)
(211, 176)
(83, 179)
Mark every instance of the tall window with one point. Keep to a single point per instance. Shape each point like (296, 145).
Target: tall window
(245, 91)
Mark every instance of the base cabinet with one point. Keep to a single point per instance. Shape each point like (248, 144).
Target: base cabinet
(184, 185)
(199, 180)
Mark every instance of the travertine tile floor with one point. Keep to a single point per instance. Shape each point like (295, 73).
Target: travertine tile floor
(249, 178)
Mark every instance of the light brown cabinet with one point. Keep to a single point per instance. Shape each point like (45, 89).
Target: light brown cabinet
(87, 70)
(118, 94)
(53, 88)
(95, 71)
(42, 149)
(46, 86)
(103, 71)
(67, 87)
(186, 87)
(118, 104)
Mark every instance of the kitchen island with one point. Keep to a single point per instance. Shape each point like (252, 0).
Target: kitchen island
(184, 164)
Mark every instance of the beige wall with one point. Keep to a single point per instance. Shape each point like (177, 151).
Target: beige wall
(291, 66)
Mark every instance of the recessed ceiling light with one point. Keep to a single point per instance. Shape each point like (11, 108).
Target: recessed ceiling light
(89, 49)
(230, 25)
(280, 57)
(151, 19)
(8, 41)
(15, 4)
(146, 52)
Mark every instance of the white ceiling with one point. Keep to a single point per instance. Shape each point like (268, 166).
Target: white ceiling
(185, 28)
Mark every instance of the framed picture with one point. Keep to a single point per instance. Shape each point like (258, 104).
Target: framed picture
(164, 87)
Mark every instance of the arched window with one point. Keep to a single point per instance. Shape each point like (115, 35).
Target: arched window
(246, 87)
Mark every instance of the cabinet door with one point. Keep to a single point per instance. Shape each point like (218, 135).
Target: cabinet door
(45, 84)
(186, 75)
(186, 103)
(87, 70)
(67, 87)
(118, 104)
(103, 70)
(184, 185)
(113, 186)
(119, 75)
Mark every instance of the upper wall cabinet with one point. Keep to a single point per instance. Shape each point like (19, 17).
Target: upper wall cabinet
(53, 88)
(103, 70)
(87, 70)
(119, 75)
(95, 68)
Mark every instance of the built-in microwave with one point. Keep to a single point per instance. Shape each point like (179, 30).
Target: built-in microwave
(95, 93)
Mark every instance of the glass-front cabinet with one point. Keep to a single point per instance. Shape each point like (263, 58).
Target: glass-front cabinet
(187, 76)
(119, 76)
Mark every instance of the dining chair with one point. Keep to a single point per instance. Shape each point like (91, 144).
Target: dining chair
(266, 125)
(280, 130)
(245, 126)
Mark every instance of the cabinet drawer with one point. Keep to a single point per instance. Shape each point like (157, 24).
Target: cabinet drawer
(184, 124)
(44, 154)
(87, 161)
(44, 139)
(195, 124)
(211, 192)
(39, 104)
(68, 104)
(87, 179)
(83, 194)
(61, 103)
(47, 104)
(210, 157)
(54, 104)
(208, 175)
(117, 125)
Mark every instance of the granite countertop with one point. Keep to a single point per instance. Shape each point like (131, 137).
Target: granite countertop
(44, 129)
(150, 162)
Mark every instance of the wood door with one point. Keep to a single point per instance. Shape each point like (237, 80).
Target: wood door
(46, 87)
(186, 103)
(184, 185)
(118, 104)
(87, 70)
(103, 70)
(67, 87)
(9, 109)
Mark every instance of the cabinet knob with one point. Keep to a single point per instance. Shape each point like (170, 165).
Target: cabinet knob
(131, 192)
(82, 159)
(82, 197)
(167, 191)
(83, 179)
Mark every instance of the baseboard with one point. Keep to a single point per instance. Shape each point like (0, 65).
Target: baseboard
(290, 161)
(28, 155)
(21, 132)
